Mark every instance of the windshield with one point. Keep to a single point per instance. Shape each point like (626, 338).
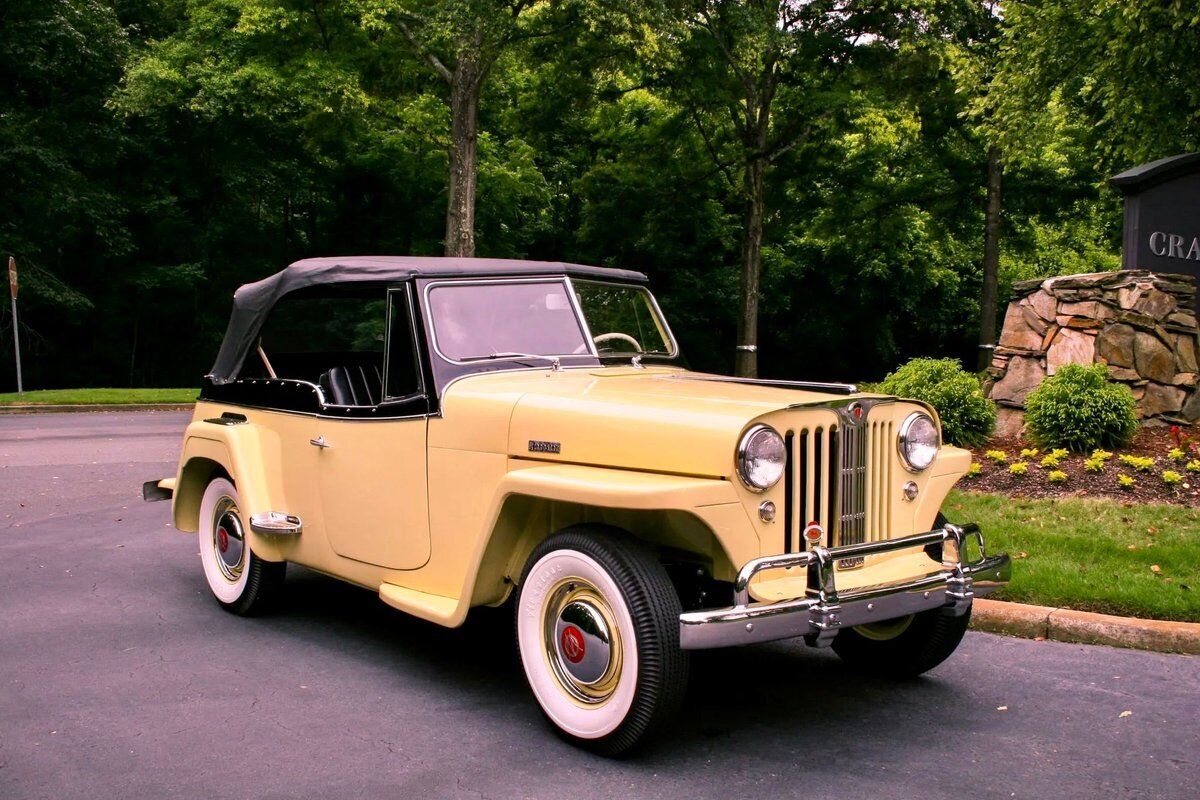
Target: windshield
(623, 319)
(474, 321)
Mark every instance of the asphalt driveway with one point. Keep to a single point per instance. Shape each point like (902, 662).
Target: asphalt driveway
(120, 677)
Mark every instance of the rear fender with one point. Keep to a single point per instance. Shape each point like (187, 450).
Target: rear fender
(235, 452)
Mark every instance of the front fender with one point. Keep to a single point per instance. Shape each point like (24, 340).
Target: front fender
(570, 493)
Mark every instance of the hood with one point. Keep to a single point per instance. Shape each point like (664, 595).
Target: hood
(657, 419)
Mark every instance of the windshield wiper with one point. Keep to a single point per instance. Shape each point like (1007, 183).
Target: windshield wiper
(555, 361)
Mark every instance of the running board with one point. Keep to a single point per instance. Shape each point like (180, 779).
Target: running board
(433, 607)
(276, 523)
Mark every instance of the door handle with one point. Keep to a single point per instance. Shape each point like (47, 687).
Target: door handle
(319, 442)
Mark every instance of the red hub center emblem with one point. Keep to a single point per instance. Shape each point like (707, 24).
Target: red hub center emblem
(571, 642)
(222, 539)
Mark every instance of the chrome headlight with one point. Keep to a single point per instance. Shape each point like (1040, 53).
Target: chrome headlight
(761, 457)
(919, 441)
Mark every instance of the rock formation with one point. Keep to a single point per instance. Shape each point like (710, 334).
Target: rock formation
(1139, 323)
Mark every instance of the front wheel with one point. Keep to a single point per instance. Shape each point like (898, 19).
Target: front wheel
(905, 647)
(241, 582)
(598, 633)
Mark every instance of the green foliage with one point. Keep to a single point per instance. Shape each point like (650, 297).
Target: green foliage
(1094, 464)
(1018, 468)
(1171, 477)
(967, 416)
(976, 469)
(157, 155)
(1056, 476)
(1126, 481)
(1139, 463)
(1050, 461)
(1077, 408)
(1030, 452)
(1193, 465)
(1076, 547)
(999, 456)
(1175, 454)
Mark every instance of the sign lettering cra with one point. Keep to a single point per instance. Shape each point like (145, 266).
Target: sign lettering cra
(1162, 216)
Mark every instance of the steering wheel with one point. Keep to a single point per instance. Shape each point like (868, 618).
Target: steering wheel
(608, 337)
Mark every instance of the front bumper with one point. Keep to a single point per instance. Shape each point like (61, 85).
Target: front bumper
(823, 611)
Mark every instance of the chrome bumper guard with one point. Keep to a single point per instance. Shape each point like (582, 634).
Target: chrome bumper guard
(823, 611)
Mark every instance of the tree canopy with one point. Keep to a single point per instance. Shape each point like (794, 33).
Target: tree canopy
(824, 161)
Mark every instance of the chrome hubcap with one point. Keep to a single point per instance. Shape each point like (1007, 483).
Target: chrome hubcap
(228, 540)
(583, 644)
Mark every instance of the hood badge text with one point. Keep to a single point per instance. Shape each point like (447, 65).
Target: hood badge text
(538, 446)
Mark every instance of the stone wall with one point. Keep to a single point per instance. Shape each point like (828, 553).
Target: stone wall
(1139, 323)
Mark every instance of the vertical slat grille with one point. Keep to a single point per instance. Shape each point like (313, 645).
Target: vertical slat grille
(838, 476)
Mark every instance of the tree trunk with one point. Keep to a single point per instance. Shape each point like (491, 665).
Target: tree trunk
(464, 133)
(991, 259)
(746, 362)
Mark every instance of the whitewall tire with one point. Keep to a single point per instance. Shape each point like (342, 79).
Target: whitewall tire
(598, 634)
(239, 580)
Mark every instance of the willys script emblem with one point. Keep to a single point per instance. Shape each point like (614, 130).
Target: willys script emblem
(538, 446)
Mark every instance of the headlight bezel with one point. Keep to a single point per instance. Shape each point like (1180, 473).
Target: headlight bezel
(742, 456)
(903, 441)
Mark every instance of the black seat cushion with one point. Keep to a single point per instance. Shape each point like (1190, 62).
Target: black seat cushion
(355, 385)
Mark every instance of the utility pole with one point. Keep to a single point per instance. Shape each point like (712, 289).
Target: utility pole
(12, 291)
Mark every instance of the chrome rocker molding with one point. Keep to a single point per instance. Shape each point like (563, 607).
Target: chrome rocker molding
(823, 611)
(276, 523)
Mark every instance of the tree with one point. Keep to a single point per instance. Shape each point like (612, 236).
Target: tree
(758, 77)
(1125, 68)
(460, 40)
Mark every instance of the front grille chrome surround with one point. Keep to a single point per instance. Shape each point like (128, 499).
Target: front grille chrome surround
(839, 474)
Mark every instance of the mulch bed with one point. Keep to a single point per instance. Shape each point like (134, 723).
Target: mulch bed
(1150, 442)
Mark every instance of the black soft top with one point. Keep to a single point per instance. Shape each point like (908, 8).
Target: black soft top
(252, 302)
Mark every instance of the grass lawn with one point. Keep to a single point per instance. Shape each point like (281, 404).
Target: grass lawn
(98, 396)
(1093, 555)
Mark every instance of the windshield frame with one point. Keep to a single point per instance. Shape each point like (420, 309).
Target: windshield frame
(590, 358)
(660, 321)
(591, 355)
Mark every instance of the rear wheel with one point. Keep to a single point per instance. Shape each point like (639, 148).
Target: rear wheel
(240, 581)
(598, 633)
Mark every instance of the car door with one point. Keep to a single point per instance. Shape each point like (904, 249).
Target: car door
(372, 459)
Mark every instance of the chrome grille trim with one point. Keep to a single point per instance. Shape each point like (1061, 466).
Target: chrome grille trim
(839, 476)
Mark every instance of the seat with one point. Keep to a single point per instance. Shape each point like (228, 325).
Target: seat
(354, 385)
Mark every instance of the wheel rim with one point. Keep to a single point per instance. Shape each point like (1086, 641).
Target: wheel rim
(582, 641)
(883, 631)
(228, 539)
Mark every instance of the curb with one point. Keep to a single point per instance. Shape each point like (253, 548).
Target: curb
(1085, 627)
(93, 407)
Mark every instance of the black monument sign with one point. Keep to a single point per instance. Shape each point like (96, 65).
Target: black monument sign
(1162, 216)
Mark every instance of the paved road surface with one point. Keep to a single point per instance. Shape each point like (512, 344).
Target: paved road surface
(120, 677)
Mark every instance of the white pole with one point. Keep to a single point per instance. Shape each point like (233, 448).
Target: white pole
(12, 293)
(17, 348)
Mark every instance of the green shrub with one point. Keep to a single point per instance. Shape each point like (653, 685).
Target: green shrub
(1171, 477)
(1018, 468)
(1077, 408)
(1126, 481)
(1057, 476)
(968, 417)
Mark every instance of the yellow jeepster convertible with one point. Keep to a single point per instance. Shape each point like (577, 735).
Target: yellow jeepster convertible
(452, 433)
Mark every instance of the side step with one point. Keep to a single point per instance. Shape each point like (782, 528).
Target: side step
(276, 523)
(433, 607)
